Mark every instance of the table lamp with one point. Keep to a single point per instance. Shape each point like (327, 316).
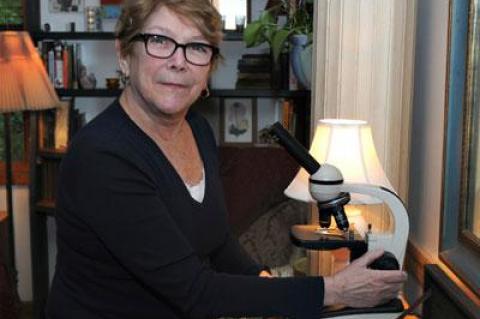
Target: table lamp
(24, 86)
(349, 146)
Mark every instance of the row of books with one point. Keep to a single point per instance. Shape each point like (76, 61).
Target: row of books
(62, 61)
(258, 71)
(254, 72)
(289, 118)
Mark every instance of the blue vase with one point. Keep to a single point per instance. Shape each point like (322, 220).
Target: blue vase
(301, 59)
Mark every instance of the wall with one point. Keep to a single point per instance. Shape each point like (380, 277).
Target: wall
(426, 159)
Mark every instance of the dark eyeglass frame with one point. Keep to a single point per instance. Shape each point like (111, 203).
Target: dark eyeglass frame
(145, 37)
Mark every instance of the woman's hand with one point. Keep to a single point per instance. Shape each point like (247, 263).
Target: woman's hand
(357, 286)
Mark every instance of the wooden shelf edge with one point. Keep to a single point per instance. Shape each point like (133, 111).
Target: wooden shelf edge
(45, 206)
(38, 36)
(52, 153)
(89, 92)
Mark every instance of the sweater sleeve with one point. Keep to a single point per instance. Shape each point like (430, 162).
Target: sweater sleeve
(120, 203)
(231, 257)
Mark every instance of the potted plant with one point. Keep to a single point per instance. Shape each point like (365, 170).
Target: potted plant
(294, 36)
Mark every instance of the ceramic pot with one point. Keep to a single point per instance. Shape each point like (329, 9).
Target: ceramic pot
(301, 59)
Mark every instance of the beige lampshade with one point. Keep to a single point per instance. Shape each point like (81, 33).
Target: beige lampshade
(24, 83)
(348, 145)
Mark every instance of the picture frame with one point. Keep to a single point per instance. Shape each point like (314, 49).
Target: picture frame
(65, 6)
(238, 121)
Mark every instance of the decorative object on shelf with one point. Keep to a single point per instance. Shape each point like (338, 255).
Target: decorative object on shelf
(301, 59)
(93, 19)
(268, 29)
(25, 86)
(71, 27)
(238, 120)
(234, 13)
(112, 83)
(240, 22)
(62, 6)
(111, 9)
(86, 81)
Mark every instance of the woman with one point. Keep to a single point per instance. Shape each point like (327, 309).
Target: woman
(142, 226)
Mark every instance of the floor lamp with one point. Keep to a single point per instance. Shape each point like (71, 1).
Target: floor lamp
(24, 86)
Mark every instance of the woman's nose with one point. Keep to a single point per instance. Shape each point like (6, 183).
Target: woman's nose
(178, 58)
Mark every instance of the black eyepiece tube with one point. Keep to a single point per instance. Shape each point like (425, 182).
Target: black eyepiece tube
(295, 149)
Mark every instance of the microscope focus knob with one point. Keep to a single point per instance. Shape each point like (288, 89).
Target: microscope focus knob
(385, 262)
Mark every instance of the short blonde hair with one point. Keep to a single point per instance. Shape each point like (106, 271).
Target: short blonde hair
(135, 12)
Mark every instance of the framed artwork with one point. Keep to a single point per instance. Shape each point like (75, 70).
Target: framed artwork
(61, 6)
(238, 120)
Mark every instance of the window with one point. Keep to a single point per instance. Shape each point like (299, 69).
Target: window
(460, 234)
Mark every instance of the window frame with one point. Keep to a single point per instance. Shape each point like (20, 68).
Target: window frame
(457, 248)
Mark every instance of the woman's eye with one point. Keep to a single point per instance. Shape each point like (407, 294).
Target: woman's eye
(201, 48)
(157, 39)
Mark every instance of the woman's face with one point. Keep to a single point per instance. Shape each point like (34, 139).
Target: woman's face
(167, 86)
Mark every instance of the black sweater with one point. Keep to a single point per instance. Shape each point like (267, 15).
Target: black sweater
(132, 243)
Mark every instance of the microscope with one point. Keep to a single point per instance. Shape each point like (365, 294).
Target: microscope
(331, 194)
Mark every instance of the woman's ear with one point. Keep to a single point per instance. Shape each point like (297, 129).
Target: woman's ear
(122, 61)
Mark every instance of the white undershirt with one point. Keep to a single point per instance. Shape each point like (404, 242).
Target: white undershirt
(197, 191)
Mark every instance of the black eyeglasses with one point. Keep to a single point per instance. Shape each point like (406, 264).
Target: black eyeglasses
(163, 47)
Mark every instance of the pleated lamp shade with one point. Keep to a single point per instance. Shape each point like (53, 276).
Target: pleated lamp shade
(24, 83)
(348, 145)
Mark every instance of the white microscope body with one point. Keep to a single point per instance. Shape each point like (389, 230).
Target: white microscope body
(323, 187)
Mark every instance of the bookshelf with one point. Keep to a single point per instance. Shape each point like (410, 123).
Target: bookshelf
(42, 206)
(101, 36)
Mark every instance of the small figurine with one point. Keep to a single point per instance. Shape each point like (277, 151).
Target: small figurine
(86, 81)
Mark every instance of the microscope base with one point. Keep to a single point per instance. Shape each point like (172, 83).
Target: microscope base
(390, 310)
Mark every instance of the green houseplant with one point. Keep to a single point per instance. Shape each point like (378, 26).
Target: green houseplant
(267, 30)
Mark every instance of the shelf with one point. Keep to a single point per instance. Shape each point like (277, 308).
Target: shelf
(38, 36)
(55, 154)
(232, 36)
(258, 93)
(45, 206)
(213, 93)
(89, 92)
